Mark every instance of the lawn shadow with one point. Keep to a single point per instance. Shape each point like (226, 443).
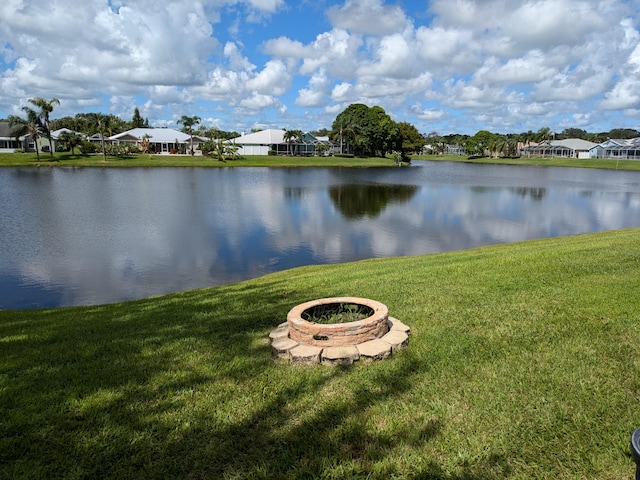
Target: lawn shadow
(185, 387)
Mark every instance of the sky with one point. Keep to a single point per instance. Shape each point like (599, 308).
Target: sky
(446, 66)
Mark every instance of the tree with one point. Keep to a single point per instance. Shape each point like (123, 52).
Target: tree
(188, 124)
(137, 121)
(291, 136)
(412, 141)
(70, 140)
(100, 120)
(31, 126)
(46, 107)
(480, 144)
(348, 125)
(369, 130)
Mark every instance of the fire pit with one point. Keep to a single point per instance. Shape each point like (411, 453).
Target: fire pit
(338, 330)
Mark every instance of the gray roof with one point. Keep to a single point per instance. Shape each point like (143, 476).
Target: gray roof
(157, 135)
(5, 131)
(573, 144)
(628, 142)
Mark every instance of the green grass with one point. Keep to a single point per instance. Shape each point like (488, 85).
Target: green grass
(78, 160)
(524, 362)
(608, 164)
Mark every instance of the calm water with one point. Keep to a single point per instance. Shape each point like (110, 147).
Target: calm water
(88, 236)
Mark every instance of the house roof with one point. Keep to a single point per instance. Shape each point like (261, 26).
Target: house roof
(5, 131)
(56, 133)
(573, 144)
(263, 137)
(620, 143)
(570, 143)
(156, 135)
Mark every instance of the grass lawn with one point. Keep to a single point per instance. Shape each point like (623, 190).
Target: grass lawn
(524, 362)
(608, 164)
(79, 160)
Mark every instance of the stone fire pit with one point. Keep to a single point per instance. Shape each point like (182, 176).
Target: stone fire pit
(338, 330)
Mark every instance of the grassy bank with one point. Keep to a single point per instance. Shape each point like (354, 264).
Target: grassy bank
(542, 162)
(69, 160)
(524, 362)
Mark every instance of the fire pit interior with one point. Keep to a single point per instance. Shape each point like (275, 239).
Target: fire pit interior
(338, 330)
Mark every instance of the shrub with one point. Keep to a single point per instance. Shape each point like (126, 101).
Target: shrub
(344, 155)
(271, 152)
(89, 147)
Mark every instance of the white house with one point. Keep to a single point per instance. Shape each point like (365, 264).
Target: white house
(568, 148)
(264, 141)
(162, 140)
(8, 144)
(624, 149)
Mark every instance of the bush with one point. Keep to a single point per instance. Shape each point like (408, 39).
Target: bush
(344, 155)
(272, 152)
(89, 147)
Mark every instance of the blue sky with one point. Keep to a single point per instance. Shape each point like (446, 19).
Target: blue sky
(450, 66)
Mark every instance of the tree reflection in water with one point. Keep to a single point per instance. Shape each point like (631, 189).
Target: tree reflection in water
(358, 201)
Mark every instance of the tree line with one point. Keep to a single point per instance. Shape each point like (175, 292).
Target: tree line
(485, 141)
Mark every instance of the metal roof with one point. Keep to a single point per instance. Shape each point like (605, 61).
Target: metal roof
(156, 135)
(263, 137)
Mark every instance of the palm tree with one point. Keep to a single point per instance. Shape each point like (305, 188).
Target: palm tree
(46, 107)
(291, 136)
(32, 127)
(101, 120)
(71, 139)
(188, 123)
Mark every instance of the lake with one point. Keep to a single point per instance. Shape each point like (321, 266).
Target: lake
(84, 236)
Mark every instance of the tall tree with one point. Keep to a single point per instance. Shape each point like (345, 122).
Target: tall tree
(31, 126)
(137, 121)
(291, 136)
(412, 141)
(349, 125)
(101, 120)
(46, 107)
(188, 123)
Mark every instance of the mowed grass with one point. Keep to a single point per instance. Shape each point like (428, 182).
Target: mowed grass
(523, 362)
(79, 160)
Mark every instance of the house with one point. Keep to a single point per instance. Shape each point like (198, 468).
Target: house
(8, 144)
(625, 149)
(568, 148)
(264, 141)
(161, 140)
(43, 141)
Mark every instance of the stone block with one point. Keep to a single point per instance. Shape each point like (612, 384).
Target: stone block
(397, 339)
(398, 325)
(343, 355)
(281, 346)
(306, 354)
(374, 349)
(280, 332)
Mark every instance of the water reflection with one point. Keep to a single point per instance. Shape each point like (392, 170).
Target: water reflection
(357, 201)
(86, 236)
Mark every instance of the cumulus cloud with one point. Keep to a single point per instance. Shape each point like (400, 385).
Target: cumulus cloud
(368, 17)
(506, 63)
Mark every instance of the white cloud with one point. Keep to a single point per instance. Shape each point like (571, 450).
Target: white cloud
(496, 61)
(368, 17)
(314, 96)
(273, 79)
